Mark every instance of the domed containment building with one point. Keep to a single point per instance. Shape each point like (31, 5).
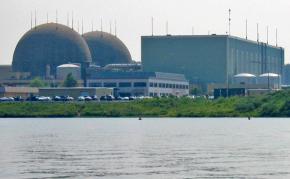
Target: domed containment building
(107, 49)
(47, 46)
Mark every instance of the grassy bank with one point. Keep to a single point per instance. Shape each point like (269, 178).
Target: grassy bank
(271, 105)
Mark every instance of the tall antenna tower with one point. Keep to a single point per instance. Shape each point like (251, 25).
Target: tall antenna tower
(67, 19)
(267, 35)
(115, 28)
(78, 26)
(101, 25)
(31, 17)
(247, 29)
(72, 19)
(110, 27)
(82, 26)
(276, 37)
(230, 21)
(166, 27)
(257, 32)
(56, 18)
(152, 26)
(35, 18)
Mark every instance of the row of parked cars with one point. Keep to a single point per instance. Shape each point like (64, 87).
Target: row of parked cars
(69, 98)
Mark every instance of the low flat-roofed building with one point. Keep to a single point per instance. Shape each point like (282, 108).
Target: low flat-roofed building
(18, 91)
(6, 73)
(141, 83)
(75, 92)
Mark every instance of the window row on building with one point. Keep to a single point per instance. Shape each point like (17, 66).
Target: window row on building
(168, 85)
(138, 84)
(120, 84)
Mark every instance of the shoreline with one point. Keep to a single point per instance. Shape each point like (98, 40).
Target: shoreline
(271, 105)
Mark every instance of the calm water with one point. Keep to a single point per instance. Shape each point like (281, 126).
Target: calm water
(151, 148)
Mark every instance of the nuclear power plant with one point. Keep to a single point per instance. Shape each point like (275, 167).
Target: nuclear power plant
(170, 64)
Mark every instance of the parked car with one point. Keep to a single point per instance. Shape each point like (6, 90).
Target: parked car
(126, 98)
(18, 98)
(110, 98)
(43, 98)
(6, 99)
(58, 98)
(81, 98)
(119, 98)
(68, 98)
(31, 98)
(88, 98)
(95, 98)
(103, 98)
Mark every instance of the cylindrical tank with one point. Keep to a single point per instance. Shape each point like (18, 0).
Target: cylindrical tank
(245, 78)
(63, 70)
(272, 80)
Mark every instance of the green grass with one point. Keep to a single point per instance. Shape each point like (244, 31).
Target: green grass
(270, 105)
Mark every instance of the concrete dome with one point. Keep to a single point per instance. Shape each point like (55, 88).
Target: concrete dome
(107, 48)
(245, 75)
(68, 66)
(47, 46)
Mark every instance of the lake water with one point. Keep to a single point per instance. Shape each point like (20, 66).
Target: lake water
(151, 148)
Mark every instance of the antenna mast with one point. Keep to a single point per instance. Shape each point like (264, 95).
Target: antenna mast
(166, 27)
(35, 18)
(56, 16)
(72, 19)
(110, 27)
(230, 21)
(267, 35)
(101, 25)
(67, 19)
(152, 26)
(246, 29)
(78, 26)
(82, 26)
(257, 32)
(115, 28)
(31, 17)
(276, 37)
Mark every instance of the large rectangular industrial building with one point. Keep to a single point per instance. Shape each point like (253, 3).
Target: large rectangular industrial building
(209, 59)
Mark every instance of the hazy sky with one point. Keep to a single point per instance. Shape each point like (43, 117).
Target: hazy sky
(134, 19)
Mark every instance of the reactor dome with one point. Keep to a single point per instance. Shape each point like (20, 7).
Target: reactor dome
(47, 46)
(106, 48)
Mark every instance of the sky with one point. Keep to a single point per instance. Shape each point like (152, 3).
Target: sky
(133, 19)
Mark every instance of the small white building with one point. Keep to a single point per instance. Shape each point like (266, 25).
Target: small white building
(245, 79)
(272, 80)
(63, 70)
(141, 83)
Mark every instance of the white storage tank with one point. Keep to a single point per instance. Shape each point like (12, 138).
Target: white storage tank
(273, 80)
(63, 70)
(245, 78)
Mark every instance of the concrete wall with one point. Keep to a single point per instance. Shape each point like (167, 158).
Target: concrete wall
(18, 91)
